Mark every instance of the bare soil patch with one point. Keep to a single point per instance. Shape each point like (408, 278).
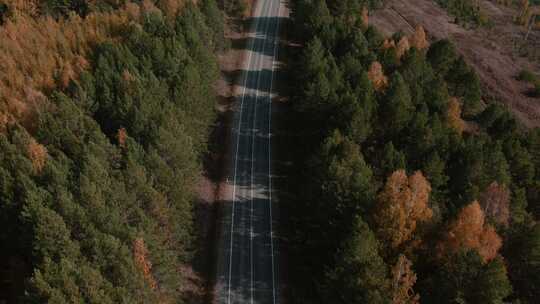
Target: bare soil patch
(497, 52)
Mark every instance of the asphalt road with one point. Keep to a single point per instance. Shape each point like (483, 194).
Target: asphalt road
(247, 262)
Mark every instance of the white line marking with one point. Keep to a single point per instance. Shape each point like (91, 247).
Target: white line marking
(254, 29)
(257, 87)
(276, 52)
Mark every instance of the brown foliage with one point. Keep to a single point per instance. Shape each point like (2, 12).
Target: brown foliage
(401, 205)
(37, 153)
(495, 202)
(453, 115)
(140, 255)
(121, 136)
(469, 231)
(365, 17)
(388, 44)
(23, 7)
(40, 54)
(418, 39)
(403, 280)
(377, 77)
(402, 47)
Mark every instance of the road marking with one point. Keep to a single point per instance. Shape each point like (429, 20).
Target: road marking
(257, 87)
(276, 52)
(254, 26)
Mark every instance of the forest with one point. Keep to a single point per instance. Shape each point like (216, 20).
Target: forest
(105, 110)
(413, 186)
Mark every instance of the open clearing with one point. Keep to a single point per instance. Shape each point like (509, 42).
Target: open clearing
(494, 51)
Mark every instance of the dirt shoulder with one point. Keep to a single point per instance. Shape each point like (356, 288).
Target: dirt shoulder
(212, 189)
(494, 51)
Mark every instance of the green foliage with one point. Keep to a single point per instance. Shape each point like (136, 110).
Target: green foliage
(360, 274)
(463, 279)
(442, 55)
(532, 79)
(465, 11)
(353, 137)
(463, 82)
(73, 224)
(398, 107)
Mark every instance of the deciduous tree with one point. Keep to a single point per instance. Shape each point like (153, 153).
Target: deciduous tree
(470, 231)
(401, 206)
(403, 280)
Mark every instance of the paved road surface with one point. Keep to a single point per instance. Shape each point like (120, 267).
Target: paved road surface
(247, 262)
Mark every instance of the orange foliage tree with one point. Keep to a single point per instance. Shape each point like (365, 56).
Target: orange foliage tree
(470, 231)
(140, 256)
(401, 205)
(403, 280)
(402, 47)
(40, 54)
(418, 39)
(377, 77)
(495, 202)
(37, 153)
(365, 17)
(453, 115)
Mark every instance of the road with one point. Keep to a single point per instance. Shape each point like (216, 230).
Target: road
(248, 254)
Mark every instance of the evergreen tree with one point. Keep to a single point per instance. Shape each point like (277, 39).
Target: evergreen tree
(360, 275)
(397, 107)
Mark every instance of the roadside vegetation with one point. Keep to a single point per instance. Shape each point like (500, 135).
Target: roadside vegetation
(410, 188)
(465, 11)
(105, 109)
(532, 79)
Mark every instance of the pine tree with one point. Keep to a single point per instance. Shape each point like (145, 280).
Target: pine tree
(360, 274)
(492, 285)
(397, 106)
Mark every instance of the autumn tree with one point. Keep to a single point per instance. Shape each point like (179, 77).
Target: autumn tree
(140, 255)
(402, 47)
(37, 154)
(418, 39)
(365, 17)
(403, 280)
(401, 206)
(470, 231)
(377, 77)
(453, 115)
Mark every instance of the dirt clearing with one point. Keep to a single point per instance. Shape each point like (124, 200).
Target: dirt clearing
(493, 51)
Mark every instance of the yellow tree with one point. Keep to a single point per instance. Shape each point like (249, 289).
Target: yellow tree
(401, 205)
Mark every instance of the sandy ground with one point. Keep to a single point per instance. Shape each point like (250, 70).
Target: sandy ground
(493, 51)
